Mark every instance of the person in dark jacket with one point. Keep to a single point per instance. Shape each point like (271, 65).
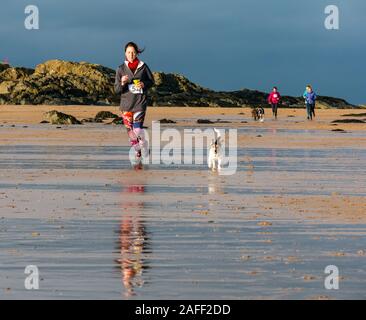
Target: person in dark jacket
(133, 80)
(310, 98)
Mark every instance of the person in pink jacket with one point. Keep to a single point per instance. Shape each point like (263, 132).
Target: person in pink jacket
(274, 99)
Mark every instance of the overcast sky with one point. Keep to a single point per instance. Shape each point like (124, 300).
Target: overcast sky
(222, 45)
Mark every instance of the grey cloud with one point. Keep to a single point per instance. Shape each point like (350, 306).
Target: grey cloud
(246, 43)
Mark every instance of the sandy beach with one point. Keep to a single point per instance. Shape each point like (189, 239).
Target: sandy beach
(289, 119)
(71, 204)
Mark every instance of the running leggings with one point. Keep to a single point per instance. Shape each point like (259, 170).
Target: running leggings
(274, 109)
(134, 121)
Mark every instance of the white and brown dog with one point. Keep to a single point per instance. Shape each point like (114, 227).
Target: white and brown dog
(258, 114)
(215, 152)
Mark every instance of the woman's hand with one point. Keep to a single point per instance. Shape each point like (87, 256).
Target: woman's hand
(124, 80)
(140, 85)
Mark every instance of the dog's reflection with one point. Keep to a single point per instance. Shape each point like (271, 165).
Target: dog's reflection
(133, 241)
(214, 185)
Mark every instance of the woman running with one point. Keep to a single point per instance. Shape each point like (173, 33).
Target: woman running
(274, 99)
(133, 79)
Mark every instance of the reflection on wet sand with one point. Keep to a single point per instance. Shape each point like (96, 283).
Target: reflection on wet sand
(133, 242)
(249, 170)
(214, 186)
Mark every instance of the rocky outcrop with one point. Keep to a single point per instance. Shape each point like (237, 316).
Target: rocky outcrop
(348, 121)
(14, 74)
(56, 117)
(3, 66)
(58, 82)
(354, 115)
(103, 115)
(166, 121)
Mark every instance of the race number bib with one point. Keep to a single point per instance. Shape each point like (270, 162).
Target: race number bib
(133, 89)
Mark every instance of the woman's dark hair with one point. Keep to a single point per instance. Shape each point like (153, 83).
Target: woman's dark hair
(135, 46)
(275, 88)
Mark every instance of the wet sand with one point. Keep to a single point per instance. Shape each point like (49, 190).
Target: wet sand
(71, 204)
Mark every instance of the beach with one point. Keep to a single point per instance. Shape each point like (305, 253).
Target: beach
(71, 204)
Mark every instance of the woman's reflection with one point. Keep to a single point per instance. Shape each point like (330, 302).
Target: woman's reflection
(133, 241)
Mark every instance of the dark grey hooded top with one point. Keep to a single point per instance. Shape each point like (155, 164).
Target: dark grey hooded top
(131, 101)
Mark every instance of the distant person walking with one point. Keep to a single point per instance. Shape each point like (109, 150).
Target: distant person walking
(133, 79)
(274, 99)
(310, 98)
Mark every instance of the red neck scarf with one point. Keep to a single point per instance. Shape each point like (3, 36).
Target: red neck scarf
(133, 65)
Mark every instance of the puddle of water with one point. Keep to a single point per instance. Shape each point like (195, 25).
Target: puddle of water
(112, 157)
(140, 257)
(174, 189)
(150, 247)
